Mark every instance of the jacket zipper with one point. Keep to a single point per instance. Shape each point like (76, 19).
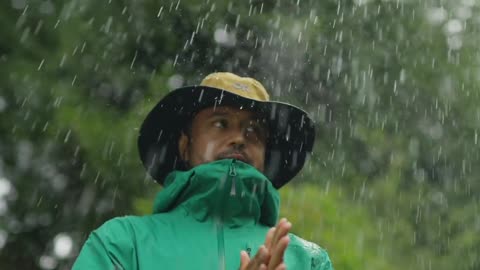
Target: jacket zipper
(219, 222)
(233, 173)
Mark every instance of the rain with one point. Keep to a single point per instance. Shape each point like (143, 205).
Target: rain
(391, 87)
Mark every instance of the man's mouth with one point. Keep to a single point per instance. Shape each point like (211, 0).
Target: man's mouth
(237, 156)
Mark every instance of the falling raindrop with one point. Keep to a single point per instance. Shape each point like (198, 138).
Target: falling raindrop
(3, 238)
(175, 81)
(223, 37)
(41, 64)
(62, 245)
(436, 16)
(3, 104)
(47, 262)
(453, 27)
(160, 12)
(5, 187)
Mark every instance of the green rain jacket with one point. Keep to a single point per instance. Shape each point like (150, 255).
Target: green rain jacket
(202, 219)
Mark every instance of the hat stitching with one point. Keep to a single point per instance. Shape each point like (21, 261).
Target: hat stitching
(241, 86)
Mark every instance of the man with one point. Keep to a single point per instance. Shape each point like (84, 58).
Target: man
(221, 150)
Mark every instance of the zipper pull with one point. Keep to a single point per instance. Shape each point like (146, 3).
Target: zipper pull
(233, 173)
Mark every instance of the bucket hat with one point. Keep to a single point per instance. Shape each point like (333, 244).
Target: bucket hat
(291, 130)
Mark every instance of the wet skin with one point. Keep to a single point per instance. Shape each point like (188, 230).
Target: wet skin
(226, 132)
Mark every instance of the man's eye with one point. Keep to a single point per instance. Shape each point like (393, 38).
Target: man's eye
(220, 123)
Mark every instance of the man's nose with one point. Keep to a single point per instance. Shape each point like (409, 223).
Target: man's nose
(237, 137)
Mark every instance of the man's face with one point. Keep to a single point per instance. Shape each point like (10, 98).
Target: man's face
(224, 132)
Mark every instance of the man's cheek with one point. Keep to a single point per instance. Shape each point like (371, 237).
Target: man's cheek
(209, 153)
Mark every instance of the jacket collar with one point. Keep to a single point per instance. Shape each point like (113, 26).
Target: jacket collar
(230, 190)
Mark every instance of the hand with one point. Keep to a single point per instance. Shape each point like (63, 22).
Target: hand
(269, 255)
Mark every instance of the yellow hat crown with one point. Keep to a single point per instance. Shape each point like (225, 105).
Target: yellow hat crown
(242, 86)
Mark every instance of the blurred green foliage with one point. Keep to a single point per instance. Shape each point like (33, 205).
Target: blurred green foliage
(392, 86)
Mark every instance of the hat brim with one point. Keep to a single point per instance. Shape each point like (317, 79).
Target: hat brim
(291, 139)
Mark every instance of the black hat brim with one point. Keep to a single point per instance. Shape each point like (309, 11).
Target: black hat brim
(291, 138)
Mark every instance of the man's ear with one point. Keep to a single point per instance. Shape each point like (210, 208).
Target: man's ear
(183, 147)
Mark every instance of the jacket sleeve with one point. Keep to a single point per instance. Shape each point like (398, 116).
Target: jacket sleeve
(321, 261)
(109, 247)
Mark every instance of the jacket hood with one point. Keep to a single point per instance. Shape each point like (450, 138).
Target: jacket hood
(228, 190)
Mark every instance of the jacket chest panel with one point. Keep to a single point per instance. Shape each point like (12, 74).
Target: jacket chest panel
(198, 247)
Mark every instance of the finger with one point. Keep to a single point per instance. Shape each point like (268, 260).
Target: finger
(262, 257)
(278, 252)
(269, 237)
(244, 260)
(277, 231)
(282, 229)
(282, 266)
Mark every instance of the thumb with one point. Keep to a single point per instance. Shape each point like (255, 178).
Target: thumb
(244, 260)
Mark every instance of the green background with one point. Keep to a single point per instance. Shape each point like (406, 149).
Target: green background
(392, 85)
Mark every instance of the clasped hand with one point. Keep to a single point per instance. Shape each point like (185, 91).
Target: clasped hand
(270, 254)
